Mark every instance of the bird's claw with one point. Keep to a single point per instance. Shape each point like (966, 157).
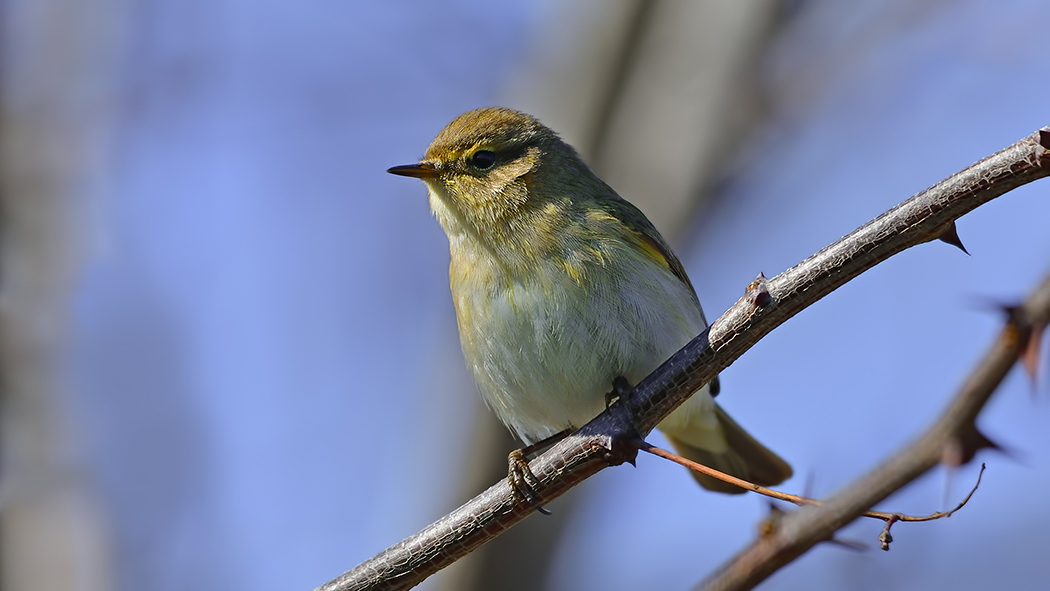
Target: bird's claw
(522, 480)
(620, 389)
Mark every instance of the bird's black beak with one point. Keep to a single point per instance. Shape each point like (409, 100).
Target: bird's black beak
(423, 170)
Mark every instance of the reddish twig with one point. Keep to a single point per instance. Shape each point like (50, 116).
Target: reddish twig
(890, 518)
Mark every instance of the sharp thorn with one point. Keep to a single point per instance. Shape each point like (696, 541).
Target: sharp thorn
(950, 235)
(966, 445)
(1030, 353)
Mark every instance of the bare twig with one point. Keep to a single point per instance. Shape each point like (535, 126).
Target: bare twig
(924, 217)
(885, 538)
(954, 437)
(889, 518)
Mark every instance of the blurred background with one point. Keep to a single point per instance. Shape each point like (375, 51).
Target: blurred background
(229, 355)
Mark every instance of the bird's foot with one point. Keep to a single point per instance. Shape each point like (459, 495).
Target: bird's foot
(522, 480)
(623, 448)
(620, 389)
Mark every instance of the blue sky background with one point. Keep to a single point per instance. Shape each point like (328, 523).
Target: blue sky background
(264, 368)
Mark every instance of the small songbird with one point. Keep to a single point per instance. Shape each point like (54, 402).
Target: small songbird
(561, 287)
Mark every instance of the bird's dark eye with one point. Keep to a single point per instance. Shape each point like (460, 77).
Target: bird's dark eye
(483, 159)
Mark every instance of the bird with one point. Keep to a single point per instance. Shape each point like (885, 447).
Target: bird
(561, 288)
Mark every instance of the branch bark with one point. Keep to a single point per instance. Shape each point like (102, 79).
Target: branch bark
(766, 305)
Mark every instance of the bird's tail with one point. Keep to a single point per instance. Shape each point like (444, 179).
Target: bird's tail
(744, 457)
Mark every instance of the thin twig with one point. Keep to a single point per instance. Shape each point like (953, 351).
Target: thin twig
(801, 501)
(924, 217)
(932, 516)
(885, 538)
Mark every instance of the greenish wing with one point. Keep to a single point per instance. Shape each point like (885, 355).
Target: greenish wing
(652, 243)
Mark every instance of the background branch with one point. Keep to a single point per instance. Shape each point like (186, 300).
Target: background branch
(953, 439)
(767, 304)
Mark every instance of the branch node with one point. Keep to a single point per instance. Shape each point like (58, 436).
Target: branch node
(886, 538)
(758, 292)
(622, 450)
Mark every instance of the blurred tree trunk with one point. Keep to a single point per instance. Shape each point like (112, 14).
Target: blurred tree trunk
(655, 94)
(57, 67)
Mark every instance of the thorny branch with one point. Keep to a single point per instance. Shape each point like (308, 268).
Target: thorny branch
(952, 439)
(927, 216)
